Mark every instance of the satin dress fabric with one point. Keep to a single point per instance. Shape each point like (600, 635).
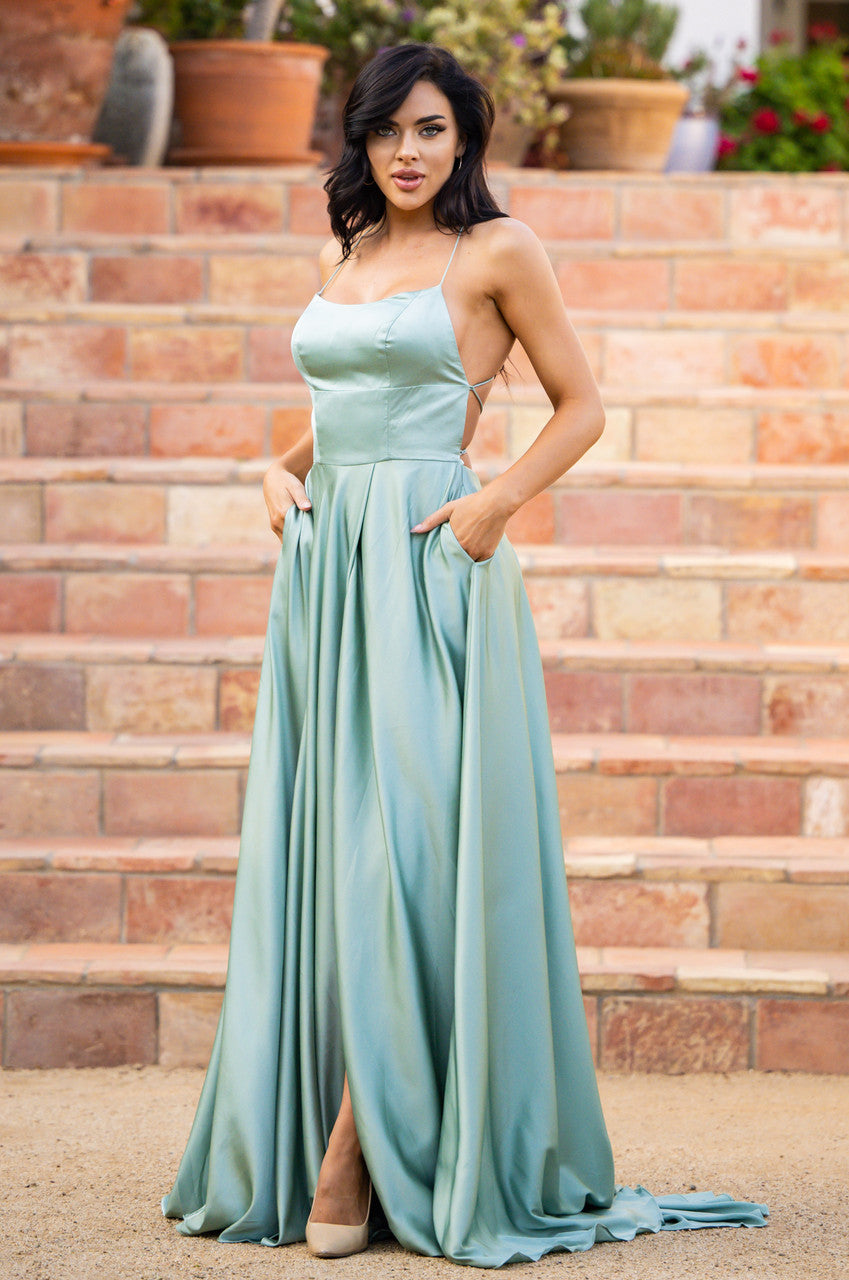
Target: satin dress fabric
(401, 909)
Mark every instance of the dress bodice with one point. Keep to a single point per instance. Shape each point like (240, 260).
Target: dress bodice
(385, 377)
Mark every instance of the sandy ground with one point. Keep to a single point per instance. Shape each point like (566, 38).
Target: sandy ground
(86, 1155)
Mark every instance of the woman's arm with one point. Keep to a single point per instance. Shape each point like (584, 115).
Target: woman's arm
(519, 278)
(526, 292)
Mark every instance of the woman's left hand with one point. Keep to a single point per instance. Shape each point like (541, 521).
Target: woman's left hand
(477, 526)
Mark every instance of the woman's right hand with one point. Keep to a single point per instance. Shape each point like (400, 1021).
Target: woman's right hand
(282, 489)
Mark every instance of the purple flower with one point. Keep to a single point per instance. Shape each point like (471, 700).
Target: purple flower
(408, 14)
(519, 40)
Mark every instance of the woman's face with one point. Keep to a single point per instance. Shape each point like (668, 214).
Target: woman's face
(421, 141)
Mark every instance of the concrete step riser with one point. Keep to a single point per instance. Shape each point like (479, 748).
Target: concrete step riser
(652, 1011)
(189, 271)
(668, 597)
(194, 514)
(57, 906)
(83, 346)
(730, 427)
(178, 697)
(755, 212)
(194, 793)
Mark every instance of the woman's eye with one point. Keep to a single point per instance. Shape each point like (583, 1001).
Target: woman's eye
(432, 129)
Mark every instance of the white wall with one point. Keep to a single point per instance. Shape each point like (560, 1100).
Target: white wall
(715, 25)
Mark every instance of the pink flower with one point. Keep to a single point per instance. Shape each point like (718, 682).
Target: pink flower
(751, 74)
(831, 167)
(766, 120)
(818, 31)
(800, 117)
(727, 145)
(821, 123)
(742, 42)
(779, 37)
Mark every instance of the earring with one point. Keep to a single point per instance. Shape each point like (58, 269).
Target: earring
(459, 163)
(368, 182)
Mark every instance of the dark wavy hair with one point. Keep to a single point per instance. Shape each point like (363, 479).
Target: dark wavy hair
(355, 202)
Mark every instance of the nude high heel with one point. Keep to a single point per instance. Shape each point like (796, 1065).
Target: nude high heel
(337, 1240)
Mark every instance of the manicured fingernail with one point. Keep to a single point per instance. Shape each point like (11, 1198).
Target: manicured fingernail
(417, 528)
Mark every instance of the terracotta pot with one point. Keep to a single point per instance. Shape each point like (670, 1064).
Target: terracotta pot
(245, 101)
(508, 141)
(617, 123)
(55, 58)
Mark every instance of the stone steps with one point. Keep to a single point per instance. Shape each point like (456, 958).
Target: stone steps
(649, 1008)
(756, 893)
(727, 425)
(92, 784)
(628, 593)
(148, 315)
(203, 683)
(192, 501)
(62, 343)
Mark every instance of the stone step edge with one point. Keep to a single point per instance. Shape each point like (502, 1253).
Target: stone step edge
(581, 654)
(536, 558)
(199, 314)
(120, 390)
(603, 970)
(605, 753)
(305, 244)
(793, 860)
(747, 477)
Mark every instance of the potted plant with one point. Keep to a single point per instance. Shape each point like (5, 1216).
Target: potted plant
(352, 31)
(514, 47)
(624, 103)
(55, 59)
(791, 113)
(240, 96)
(695, 140)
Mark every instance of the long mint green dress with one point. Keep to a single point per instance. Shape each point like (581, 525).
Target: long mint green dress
(401, 909)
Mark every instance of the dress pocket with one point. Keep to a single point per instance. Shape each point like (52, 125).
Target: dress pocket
(455, 542)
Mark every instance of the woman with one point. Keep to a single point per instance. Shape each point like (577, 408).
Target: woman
(403, 1014)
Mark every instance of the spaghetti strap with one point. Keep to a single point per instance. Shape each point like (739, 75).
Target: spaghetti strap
(448, 263)
(341, 264)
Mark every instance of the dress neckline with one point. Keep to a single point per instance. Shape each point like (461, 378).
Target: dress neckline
(373, 302)
(414, 293)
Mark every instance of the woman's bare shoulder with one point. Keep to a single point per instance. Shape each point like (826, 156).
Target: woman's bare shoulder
(329, 256)
(507, 249)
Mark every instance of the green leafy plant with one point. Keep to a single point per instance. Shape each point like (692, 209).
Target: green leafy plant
(792, 112)
(210, 19)
(193, 19)
(513, 46)
(625, 38)
(353, 30)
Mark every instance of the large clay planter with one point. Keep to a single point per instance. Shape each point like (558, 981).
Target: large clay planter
(509, 141)
(245, 101)
(55, 58)
(617, 123)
